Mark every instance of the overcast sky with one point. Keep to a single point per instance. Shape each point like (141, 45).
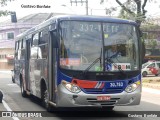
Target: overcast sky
(56, 6)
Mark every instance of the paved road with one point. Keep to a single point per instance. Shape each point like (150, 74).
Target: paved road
(12, 97)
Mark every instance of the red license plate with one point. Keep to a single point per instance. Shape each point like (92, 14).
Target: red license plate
(103, 98)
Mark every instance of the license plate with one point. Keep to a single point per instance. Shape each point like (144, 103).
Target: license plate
(115, 84)
(103, 98)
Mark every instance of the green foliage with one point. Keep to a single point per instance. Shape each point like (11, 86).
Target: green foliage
(4, 3)
(4, 13)
(124, 14)
(153, 44)
(150, 27)
(132, 9)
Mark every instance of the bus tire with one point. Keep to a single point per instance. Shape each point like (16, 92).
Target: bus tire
(108, 108)
(23, 92)
(45, 99)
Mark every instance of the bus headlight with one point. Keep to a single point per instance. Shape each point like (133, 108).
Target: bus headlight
(71, 87)
(132, 87)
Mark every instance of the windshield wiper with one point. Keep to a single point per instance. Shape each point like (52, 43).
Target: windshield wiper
(94, 62)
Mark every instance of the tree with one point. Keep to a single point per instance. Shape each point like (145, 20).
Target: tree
(153, 44)
(134, 9)
(4, 3)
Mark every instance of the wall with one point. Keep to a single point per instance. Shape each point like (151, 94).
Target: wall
(4, 63)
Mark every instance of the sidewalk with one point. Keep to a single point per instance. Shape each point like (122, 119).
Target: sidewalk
(151, 90)
(5, 71)
(5, 74)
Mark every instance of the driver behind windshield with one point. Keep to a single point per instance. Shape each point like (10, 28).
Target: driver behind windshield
(112, 52)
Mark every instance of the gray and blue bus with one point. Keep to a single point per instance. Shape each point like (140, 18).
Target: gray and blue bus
(65, 62)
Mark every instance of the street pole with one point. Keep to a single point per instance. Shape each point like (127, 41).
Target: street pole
(86, 7)
(91, 11)
(80, 1)
(69, 8)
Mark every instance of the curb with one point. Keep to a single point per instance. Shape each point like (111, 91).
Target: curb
(151, 85)
(6, 72)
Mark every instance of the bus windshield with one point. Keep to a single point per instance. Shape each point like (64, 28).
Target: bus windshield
(114, 44)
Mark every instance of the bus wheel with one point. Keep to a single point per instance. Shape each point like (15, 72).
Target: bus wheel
(108, 108)
(45, 98)
(23, 92)
(144, 74)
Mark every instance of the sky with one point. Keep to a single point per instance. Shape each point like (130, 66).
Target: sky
(64, 6)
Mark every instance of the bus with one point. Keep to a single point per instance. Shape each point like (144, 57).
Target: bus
(64, 62)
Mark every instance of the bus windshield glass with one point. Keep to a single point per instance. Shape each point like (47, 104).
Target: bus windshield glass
(114, 44)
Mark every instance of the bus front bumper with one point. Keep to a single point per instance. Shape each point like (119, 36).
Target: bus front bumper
(68, 99)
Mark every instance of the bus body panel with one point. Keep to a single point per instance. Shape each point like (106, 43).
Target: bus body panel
(27, 64)
(67, 99)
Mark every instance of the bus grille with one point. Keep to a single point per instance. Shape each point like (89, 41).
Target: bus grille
(102, 91)
(112, 101)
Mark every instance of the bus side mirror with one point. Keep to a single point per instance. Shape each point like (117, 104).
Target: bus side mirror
(54, 38)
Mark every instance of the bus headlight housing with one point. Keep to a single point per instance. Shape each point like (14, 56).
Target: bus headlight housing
(132, 87)
(71, 87)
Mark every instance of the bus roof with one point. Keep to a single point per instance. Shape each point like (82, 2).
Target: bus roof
(76, 18)
(94, 18)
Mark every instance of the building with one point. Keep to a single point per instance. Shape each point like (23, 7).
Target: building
(151, 32)
(8, 32)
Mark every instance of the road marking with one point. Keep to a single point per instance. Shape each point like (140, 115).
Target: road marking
(150, 90)
(9, 109)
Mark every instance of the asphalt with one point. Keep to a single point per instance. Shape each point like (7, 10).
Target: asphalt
(2, 107)
(5, 74)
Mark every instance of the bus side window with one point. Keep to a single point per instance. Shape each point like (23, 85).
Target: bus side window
(43, 38)
(34, 51)
(35, 40)
(23, 43)
(19, 49)
(16, 50)
(23, 49)
(34, 48)
(43, 45)
(43, 51)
